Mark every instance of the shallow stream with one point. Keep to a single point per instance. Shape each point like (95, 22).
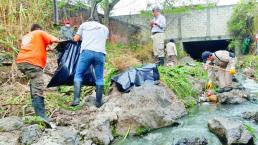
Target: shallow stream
(196, 122)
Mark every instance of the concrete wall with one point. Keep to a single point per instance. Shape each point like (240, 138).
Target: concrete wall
(120, 31)
(207, 24)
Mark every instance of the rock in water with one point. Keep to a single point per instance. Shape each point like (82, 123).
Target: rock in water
(192, 141)
(251, 116)
(233, 97)
(230, 132)
(10, 124)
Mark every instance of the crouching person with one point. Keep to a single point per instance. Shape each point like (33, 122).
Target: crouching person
(93, 36)
(224, 62)
(31, 61)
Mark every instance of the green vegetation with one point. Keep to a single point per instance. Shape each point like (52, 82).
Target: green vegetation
(180, 51)
(35, 120)
(251, 130)
(249, 61)
(142, 130)
(177, 79)
(17, 17)
(110, 73)
(242, 23)
(169, 8)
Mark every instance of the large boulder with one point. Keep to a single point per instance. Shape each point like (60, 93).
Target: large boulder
(233, 97)
(98, 128)
(146, 107)
(251, 116)
(142, 109)
(10, 123)
(230, 132)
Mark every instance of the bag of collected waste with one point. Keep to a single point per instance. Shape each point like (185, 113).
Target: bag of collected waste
(136, 77)
(68, 56)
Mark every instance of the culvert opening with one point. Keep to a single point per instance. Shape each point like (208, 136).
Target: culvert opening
(195, 48)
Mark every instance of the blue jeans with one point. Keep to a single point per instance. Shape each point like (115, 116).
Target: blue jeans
(87, 58)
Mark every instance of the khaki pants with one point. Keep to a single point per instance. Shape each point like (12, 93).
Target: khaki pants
(225, 79)
(35, 74)
(158, 44)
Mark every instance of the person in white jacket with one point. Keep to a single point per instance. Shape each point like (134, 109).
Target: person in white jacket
(171, 53)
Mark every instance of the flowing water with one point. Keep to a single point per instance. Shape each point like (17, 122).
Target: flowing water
(196, 122)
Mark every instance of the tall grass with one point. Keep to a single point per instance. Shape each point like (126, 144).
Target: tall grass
(16, 17)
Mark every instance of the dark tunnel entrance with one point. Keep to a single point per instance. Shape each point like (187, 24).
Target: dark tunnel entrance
(195, 48)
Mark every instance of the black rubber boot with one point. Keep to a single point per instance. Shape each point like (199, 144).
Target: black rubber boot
(77, 94)
(156, 59)
(99, 94)
(161, 61)
(39, 107)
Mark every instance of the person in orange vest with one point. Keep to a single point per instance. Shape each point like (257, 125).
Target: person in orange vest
(31, 61)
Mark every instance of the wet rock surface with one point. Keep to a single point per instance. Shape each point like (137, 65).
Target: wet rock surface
(230, 132)
(192, 141)
(251, 116)
(235, 96)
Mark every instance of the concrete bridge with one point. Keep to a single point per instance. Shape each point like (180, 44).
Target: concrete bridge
(198, 29)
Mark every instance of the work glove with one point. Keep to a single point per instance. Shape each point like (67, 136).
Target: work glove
(209, 85)
(232, 71)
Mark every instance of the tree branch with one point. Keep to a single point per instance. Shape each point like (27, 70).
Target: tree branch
(113, 3)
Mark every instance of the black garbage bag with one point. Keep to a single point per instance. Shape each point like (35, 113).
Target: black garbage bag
(68, 56)
(136, 77)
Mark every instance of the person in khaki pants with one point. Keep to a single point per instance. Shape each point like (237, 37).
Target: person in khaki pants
(225, 62)
(171, 53)
(158, 25)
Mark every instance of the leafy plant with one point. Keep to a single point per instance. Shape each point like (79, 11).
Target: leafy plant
(176, 78)
(142, 130)
(110, 73)
(35, 120)
(251, 130)
(241, 23)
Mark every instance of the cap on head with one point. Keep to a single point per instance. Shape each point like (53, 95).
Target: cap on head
(157, 9)
(205, 55)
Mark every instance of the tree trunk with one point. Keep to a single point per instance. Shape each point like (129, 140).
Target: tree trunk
(56, 19)
(106, 16)
(107, 8)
